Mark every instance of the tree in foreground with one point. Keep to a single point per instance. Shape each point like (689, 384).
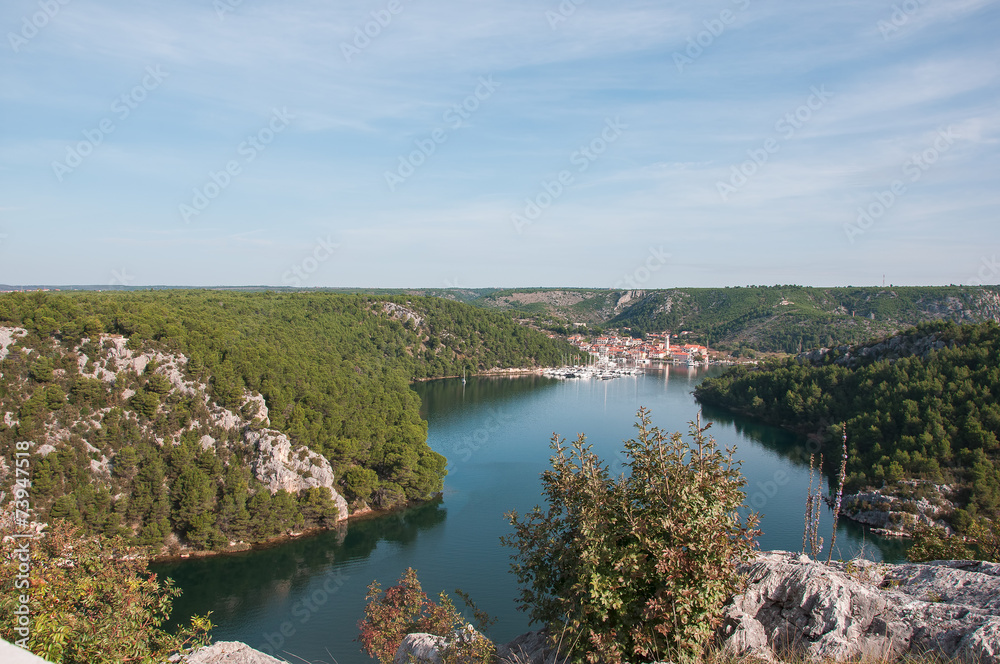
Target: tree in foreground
(91, 601)
(636, 567)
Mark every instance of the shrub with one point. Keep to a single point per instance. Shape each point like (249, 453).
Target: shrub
(405, 609)
(980, 542)
(93, 601)
(638, 567)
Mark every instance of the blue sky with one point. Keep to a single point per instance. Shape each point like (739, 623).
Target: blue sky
(394, 143)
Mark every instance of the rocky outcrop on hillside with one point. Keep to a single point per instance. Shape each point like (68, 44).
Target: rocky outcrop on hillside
(891, 514)
(9, 335)
(895, 347)
(279, 467)
(238, 434)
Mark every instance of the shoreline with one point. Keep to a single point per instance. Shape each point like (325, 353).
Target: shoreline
(278, 540)
(488, 374)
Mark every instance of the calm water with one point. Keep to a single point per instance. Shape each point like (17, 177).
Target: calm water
(304, 598)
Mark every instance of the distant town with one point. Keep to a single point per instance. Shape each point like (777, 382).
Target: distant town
(617, 350)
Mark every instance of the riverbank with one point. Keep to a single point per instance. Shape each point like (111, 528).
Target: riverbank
(186, 553)
(489, 373)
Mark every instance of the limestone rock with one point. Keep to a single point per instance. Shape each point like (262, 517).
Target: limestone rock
(229, 652)
(8, 335)
(421, 647)
(864, 610)
(427, 648)
(279, 467)
(258, 407)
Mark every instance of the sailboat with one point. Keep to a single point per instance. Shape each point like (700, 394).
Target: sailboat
(463, 376)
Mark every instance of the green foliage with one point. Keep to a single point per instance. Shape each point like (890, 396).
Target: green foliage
(980, 542)
(789, 318)
(41, 370)
(935, 544)
(635, 568)
(405, 609)
(931, 416)
(334, 371)
(93, 602)
(318, 509)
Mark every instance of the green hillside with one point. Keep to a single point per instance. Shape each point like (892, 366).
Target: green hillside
(921, 405)
(768, 318)
(333, 371)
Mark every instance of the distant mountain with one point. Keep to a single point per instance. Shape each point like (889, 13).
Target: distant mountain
(785, 318)
(768, 318)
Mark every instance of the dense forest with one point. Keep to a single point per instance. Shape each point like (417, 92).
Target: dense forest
(793, 318)
(333, 371)
(919, 405)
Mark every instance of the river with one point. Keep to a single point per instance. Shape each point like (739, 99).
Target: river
(302, 599)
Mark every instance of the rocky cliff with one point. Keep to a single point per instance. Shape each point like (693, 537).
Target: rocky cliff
(793, 606)
(145, 390)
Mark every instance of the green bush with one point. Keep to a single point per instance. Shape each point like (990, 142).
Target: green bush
(94, 601)
(405, 609)
(636, 567)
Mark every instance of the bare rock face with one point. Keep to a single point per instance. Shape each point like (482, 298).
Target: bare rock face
(8, 335)
(229, 652)
(861, 609)
(279, 467)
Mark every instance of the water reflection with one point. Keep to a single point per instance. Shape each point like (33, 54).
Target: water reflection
(495, 433)
(237, 584)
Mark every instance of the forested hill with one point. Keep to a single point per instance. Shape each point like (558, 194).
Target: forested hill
(768, 318)
(922, 404)
(333, 371)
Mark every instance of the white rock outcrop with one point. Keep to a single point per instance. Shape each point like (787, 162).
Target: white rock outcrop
(428, 648)
(865, 610)
(794, 608)
(229, 652)
(279, 466)
(8, 335)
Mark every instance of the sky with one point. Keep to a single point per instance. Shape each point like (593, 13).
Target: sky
(437, 144)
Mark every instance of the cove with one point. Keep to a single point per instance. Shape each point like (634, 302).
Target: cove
(304, 597)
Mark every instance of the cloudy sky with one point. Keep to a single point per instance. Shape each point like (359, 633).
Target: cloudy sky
(434, 143)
